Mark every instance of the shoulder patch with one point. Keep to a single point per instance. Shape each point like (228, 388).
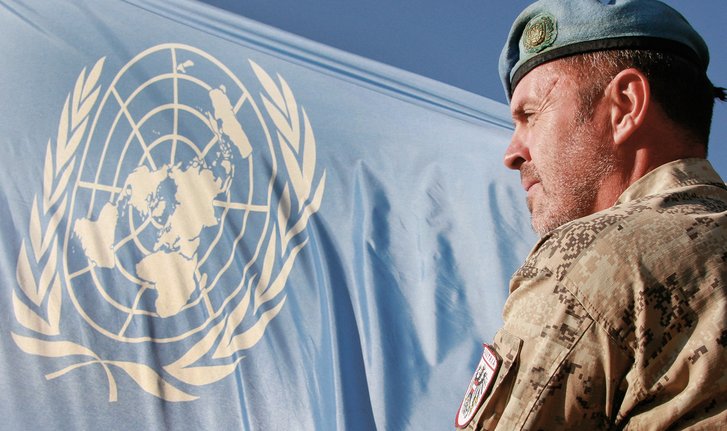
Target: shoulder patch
(479, 386)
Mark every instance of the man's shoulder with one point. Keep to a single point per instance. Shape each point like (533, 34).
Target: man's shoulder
(659, 251)
(641, 227)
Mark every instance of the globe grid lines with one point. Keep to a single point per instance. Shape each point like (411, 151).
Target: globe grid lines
(147, 158)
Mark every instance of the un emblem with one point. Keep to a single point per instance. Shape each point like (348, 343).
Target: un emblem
(174, 204)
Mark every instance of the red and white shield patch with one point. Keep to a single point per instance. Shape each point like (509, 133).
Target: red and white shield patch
(479, 386)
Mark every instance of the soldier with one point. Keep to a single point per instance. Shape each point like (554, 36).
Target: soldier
(618, 317)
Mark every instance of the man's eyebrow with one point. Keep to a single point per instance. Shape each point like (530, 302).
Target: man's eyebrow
(517, 112)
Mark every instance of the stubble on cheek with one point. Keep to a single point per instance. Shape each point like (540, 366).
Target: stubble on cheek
(570, 193)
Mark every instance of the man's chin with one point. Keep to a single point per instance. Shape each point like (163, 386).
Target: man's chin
(542, 224)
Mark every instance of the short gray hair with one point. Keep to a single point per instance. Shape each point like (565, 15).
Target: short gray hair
(684, 93)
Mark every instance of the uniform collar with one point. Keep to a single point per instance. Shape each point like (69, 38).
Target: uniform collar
(679, 173)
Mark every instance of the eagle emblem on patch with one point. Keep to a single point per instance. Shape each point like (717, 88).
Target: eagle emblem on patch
(479, 386)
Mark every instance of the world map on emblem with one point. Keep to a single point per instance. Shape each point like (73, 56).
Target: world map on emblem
(172, 200)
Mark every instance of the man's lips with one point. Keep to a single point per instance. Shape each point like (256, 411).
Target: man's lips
(528, 176)
(527, 183)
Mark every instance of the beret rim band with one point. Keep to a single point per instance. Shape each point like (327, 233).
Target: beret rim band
(626, 42)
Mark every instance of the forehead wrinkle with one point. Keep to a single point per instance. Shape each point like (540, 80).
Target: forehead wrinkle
(536, 98)
(542, 92)
(539, 91)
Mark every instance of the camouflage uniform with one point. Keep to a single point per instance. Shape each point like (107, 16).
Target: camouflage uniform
(618, 320)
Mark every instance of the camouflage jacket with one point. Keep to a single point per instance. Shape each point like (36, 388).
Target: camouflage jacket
(619, 320)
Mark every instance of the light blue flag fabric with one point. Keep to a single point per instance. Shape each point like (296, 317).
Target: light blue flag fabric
(210, 224)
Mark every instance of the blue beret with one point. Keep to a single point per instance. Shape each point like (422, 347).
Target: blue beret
(551, 29)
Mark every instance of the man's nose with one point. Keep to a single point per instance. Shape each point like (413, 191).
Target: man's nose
(517, 152)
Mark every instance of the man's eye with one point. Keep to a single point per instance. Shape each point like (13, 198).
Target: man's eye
(525, 118)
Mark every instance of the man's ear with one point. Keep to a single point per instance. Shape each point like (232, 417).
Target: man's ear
(630, 96)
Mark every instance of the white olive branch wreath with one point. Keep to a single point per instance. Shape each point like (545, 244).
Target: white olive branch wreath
(45, 292)
(297, 144)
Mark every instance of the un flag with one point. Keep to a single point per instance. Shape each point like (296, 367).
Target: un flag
(212, 225)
